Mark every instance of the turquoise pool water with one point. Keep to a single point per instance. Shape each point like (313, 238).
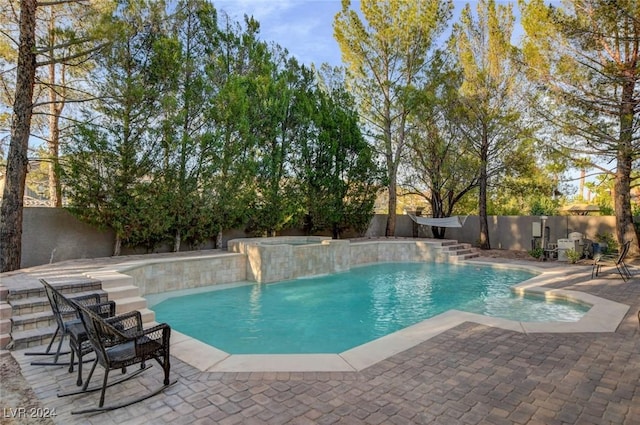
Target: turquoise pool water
(334, 313)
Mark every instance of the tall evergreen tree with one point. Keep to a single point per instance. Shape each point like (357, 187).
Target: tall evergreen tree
(284, 118)
(335, 165)
(109, 177)
(185, 100)
(17, 162)
(585, 57)
(239, 66)
(488, 116)
(443, 167)
(386, 48)
(32, 53)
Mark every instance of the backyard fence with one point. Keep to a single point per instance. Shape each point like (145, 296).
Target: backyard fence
(53, 234)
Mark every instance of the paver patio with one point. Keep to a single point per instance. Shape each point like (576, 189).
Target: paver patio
(471, 374)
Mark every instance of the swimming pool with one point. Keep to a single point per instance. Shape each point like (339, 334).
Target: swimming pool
(333, 313)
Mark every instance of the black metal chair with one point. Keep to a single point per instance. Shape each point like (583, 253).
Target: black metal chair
(70, 324)
(613, 261)
(119, 342)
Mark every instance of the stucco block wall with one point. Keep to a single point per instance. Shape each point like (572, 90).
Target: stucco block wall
(53, 234)
(50, 235)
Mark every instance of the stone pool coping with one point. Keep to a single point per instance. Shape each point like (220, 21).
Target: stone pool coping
(603, 316)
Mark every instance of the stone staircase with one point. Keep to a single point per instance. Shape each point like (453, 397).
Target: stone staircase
(31, 322)
(5, 318)
(458, 251)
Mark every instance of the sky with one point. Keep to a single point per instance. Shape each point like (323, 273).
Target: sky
(303, 27)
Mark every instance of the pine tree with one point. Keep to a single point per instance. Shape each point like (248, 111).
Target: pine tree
(585, 58)
(488, 115)
(386, 48)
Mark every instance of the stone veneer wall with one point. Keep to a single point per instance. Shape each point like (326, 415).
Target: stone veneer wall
(271, 262)
(397, 251)
(178, 273)
(283, 258)
(290, 257)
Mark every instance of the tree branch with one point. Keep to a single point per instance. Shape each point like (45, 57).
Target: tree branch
(67, 58)
(58, 2)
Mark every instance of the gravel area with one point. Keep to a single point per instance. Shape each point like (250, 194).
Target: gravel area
(19, 403)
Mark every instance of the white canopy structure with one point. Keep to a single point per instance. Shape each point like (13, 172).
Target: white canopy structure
(453, 221)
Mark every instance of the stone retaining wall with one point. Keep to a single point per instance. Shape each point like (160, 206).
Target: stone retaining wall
(398, 251)
(186, 273)
(290, 257)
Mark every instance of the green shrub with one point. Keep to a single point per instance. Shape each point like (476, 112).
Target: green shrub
(536, 252)
(573, 256)
(611, 245)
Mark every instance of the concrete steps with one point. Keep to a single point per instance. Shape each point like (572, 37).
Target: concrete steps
(26, 319)
(5, 318)
(32, 322)
(120, 288)
(459, 251)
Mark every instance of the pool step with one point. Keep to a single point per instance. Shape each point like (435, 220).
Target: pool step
(459, 251)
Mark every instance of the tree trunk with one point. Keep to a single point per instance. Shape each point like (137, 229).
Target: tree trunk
(390, 231)
(482, 201)
(55, 189)
(117, 246)
(17, 161)
(177, 240)
(55, 111)
(482, 215)
(625, 229)
(218, 243)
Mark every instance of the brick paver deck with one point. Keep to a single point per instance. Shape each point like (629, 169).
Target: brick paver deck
(471, 374)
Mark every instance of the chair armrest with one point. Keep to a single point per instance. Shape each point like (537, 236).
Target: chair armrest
(605, 257)
(104, 310)
(129, 324)
(152, 339)
(66, 307)
(86, 300)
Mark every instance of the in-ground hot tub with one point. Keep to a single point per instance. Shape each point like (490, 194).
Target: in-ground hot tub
(289, 257)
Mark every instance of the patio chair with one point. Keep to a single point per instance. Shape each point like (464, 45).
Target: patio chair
(119, 342)
(550, 252)
(69, 323)
(610, 261)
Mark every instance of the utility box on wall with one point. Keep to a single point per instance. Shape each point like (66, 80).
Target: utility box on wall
(536, 229)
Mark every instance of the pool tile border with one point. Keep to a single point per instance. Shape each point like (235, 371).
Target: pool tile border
(603, 316)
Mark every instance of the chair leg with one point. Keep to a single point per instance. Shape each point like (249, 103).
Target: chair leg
(623, 274)
(166, 367)
(55, 359)
(93, 368)
(46, 352)
(58, 353)
(79, 380)
(104, 387)
(73, 357)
